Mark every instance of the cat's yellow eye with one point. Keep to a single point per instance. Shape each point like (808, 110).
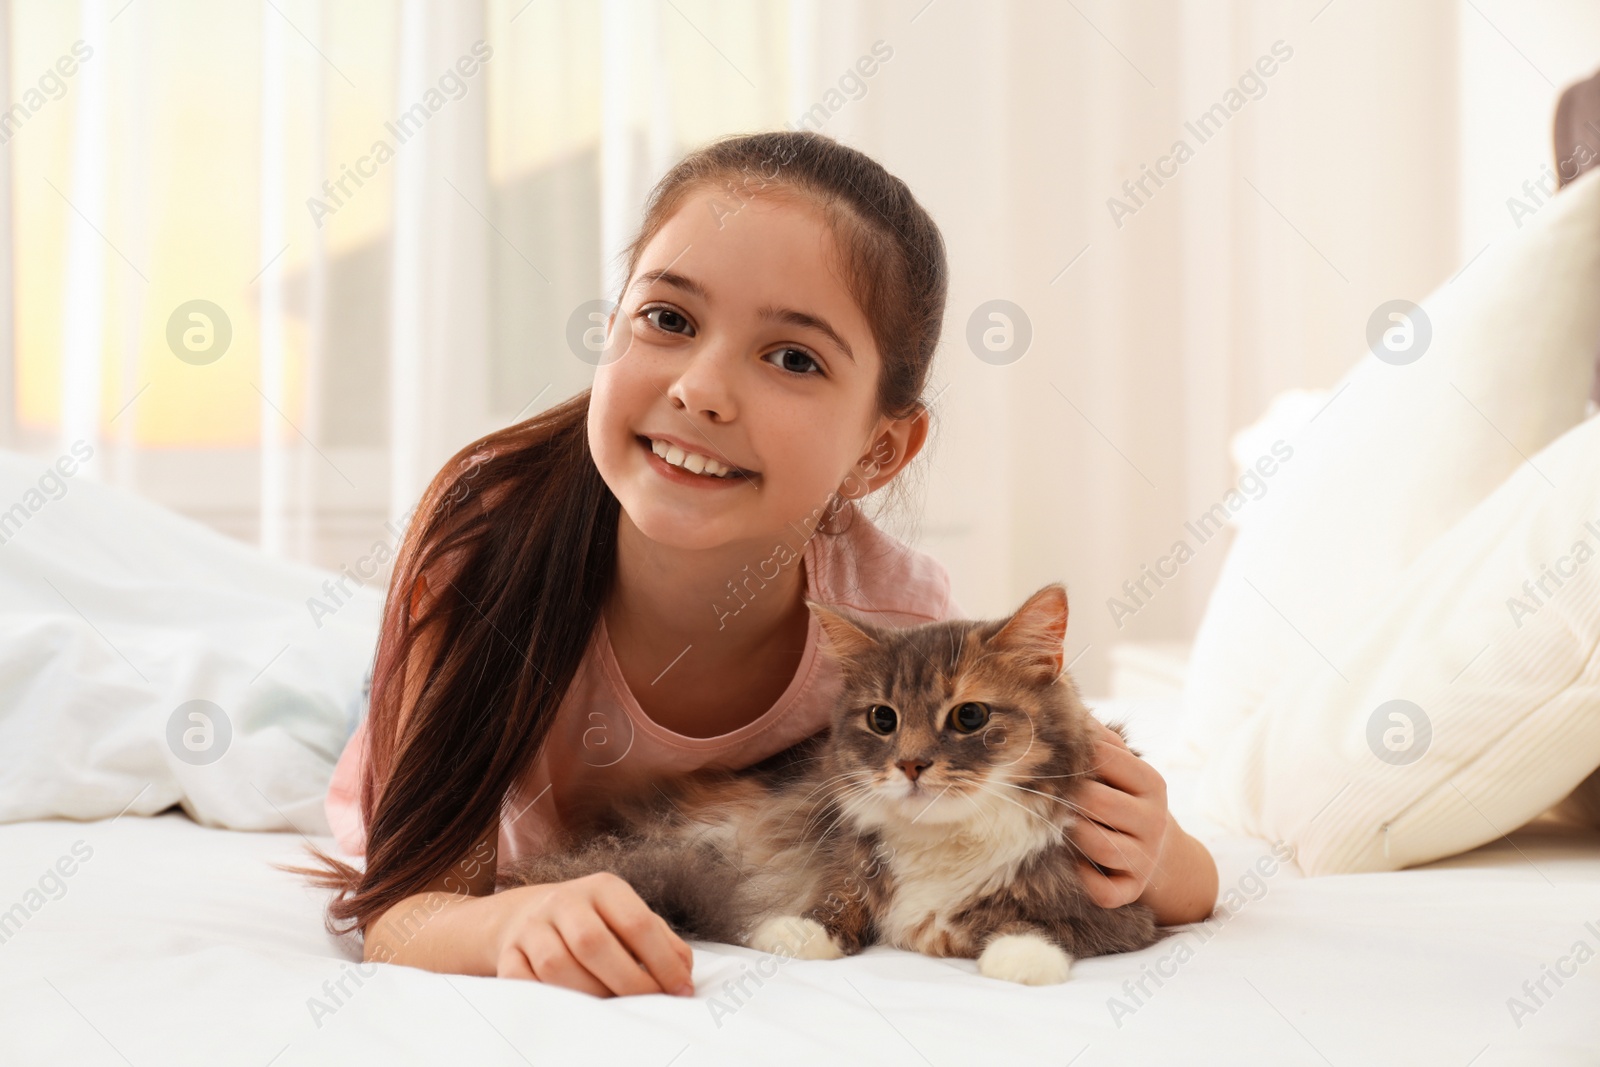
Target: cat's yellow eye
(970, 716)
(882, 719)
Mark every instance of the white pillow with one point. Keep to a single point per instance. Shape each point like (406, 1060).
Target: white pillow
(115, 613)
(1397, 455)
(1506, 676)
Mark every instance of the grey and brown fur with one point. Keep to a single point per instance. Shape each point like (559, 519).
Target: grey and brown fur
(927, 837)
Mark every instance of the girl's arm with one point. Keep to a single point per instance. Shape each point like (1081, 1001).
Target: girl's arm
(446, 927)
(591, 934)
(1185, 888)
(1128, 831)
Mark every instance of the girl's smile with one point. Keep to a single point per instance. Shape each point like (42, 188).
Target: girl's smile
(675, 461)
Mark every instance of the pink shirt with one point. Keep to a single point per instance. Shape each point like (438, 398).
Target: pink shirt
(603, 741)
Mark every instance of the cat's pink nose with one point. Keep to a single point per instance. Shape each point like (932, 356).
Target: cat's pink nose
(912, 767)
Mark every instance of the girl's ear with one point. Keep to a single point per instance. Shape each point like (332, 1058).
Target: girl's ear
(1035, 635)
(848, 639)
(896, 443)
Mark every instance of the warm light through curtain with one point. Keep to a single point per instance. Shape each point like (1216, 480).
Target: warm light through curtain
(391, 288)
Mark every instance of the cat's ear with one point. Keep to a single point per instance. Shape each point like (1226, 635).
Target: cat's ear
(1035, 635)
(848, 639)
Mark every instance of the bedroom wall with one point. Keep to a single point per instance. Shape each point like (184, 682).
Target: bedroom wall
(1156, 334)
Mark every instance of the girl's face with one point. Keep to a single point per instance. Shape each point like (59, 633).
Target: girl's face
(740, 344)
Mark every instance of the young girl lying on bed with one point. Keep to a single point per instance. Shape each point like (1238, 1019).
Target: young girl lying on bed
(613, 591)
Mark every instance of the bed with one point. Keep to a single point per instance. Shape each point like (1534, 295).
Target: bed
(175, 943)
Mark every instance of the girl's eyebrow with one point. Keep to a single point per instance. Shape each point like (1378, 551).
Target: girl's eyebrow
(801, 318)
(672, 278)
(767, 311)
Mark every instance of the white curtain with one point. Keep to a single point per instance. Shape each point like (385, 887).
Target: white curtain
(438, 304)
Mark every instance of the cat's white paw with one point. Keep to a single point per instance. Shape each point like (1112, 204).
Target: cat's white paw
(796, 937)
(1025, 958)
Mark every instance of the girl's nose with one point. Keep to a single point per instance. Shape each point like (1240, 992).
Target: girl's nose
(704, 386)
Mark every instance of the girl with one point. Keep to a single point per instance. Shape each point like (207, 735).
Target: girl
(613, 590)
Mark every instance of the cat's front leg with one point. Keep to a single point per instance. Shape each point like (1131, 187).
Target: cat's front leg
(840, 925)
(1024, 953)
(796, 937)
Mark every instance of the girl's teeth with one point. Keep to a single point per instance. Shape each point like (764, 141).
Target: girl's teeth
(690, 461)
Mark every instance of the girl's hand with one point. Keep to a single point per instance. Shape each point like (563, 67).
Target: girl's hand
(593, 934)
(1128, 830)
(1124, 824)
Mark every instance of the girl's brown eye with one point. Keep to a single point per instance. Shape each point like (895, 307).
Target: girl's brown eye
(810, 366)
(970, 716)
(671, 321)
(881, 718)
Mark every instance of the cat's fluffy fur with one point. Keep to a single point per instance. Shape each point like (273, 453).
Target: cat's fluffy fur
(928, 836)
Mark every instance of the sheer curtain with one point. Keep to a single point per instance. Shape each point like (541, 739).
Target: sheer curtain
(397, 209)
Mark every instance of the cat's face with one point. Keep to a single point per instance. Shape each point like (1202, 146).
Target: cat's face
(941, 723)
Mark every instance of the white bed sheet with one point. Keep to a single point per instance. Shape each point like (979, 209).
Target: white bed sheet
(174, 943)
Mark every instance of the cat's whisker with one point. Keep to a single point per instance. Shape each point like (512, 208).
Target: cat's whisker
(837, 777)
(1076, 808)
(985, 787)
(852, 805)
(846, 784)
(820, 810)
(825, 783)
(1075, 774)
(843, 812)
(832, 811)
(804, 803)
(1079, 809)
(1038, 792)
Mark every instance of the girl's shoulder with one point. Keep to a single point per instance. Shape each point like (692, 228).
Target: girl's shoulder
(869, 571)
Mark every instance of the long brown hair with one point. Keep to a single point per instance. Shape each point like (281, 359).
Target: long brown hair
(516, 537)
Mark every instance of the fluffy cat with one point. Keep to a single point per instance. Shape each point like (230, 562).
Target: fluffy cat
(932, 817)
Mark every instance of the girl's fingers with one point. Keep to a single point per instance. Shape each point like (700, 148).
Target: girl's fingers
(514, 964)
(1109, 848)
(1120, 768)
(647, 937)
(594, 945)
(557, 966)
(685, 953)
(684, 950)
(1109, 807)
(1109, 891)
